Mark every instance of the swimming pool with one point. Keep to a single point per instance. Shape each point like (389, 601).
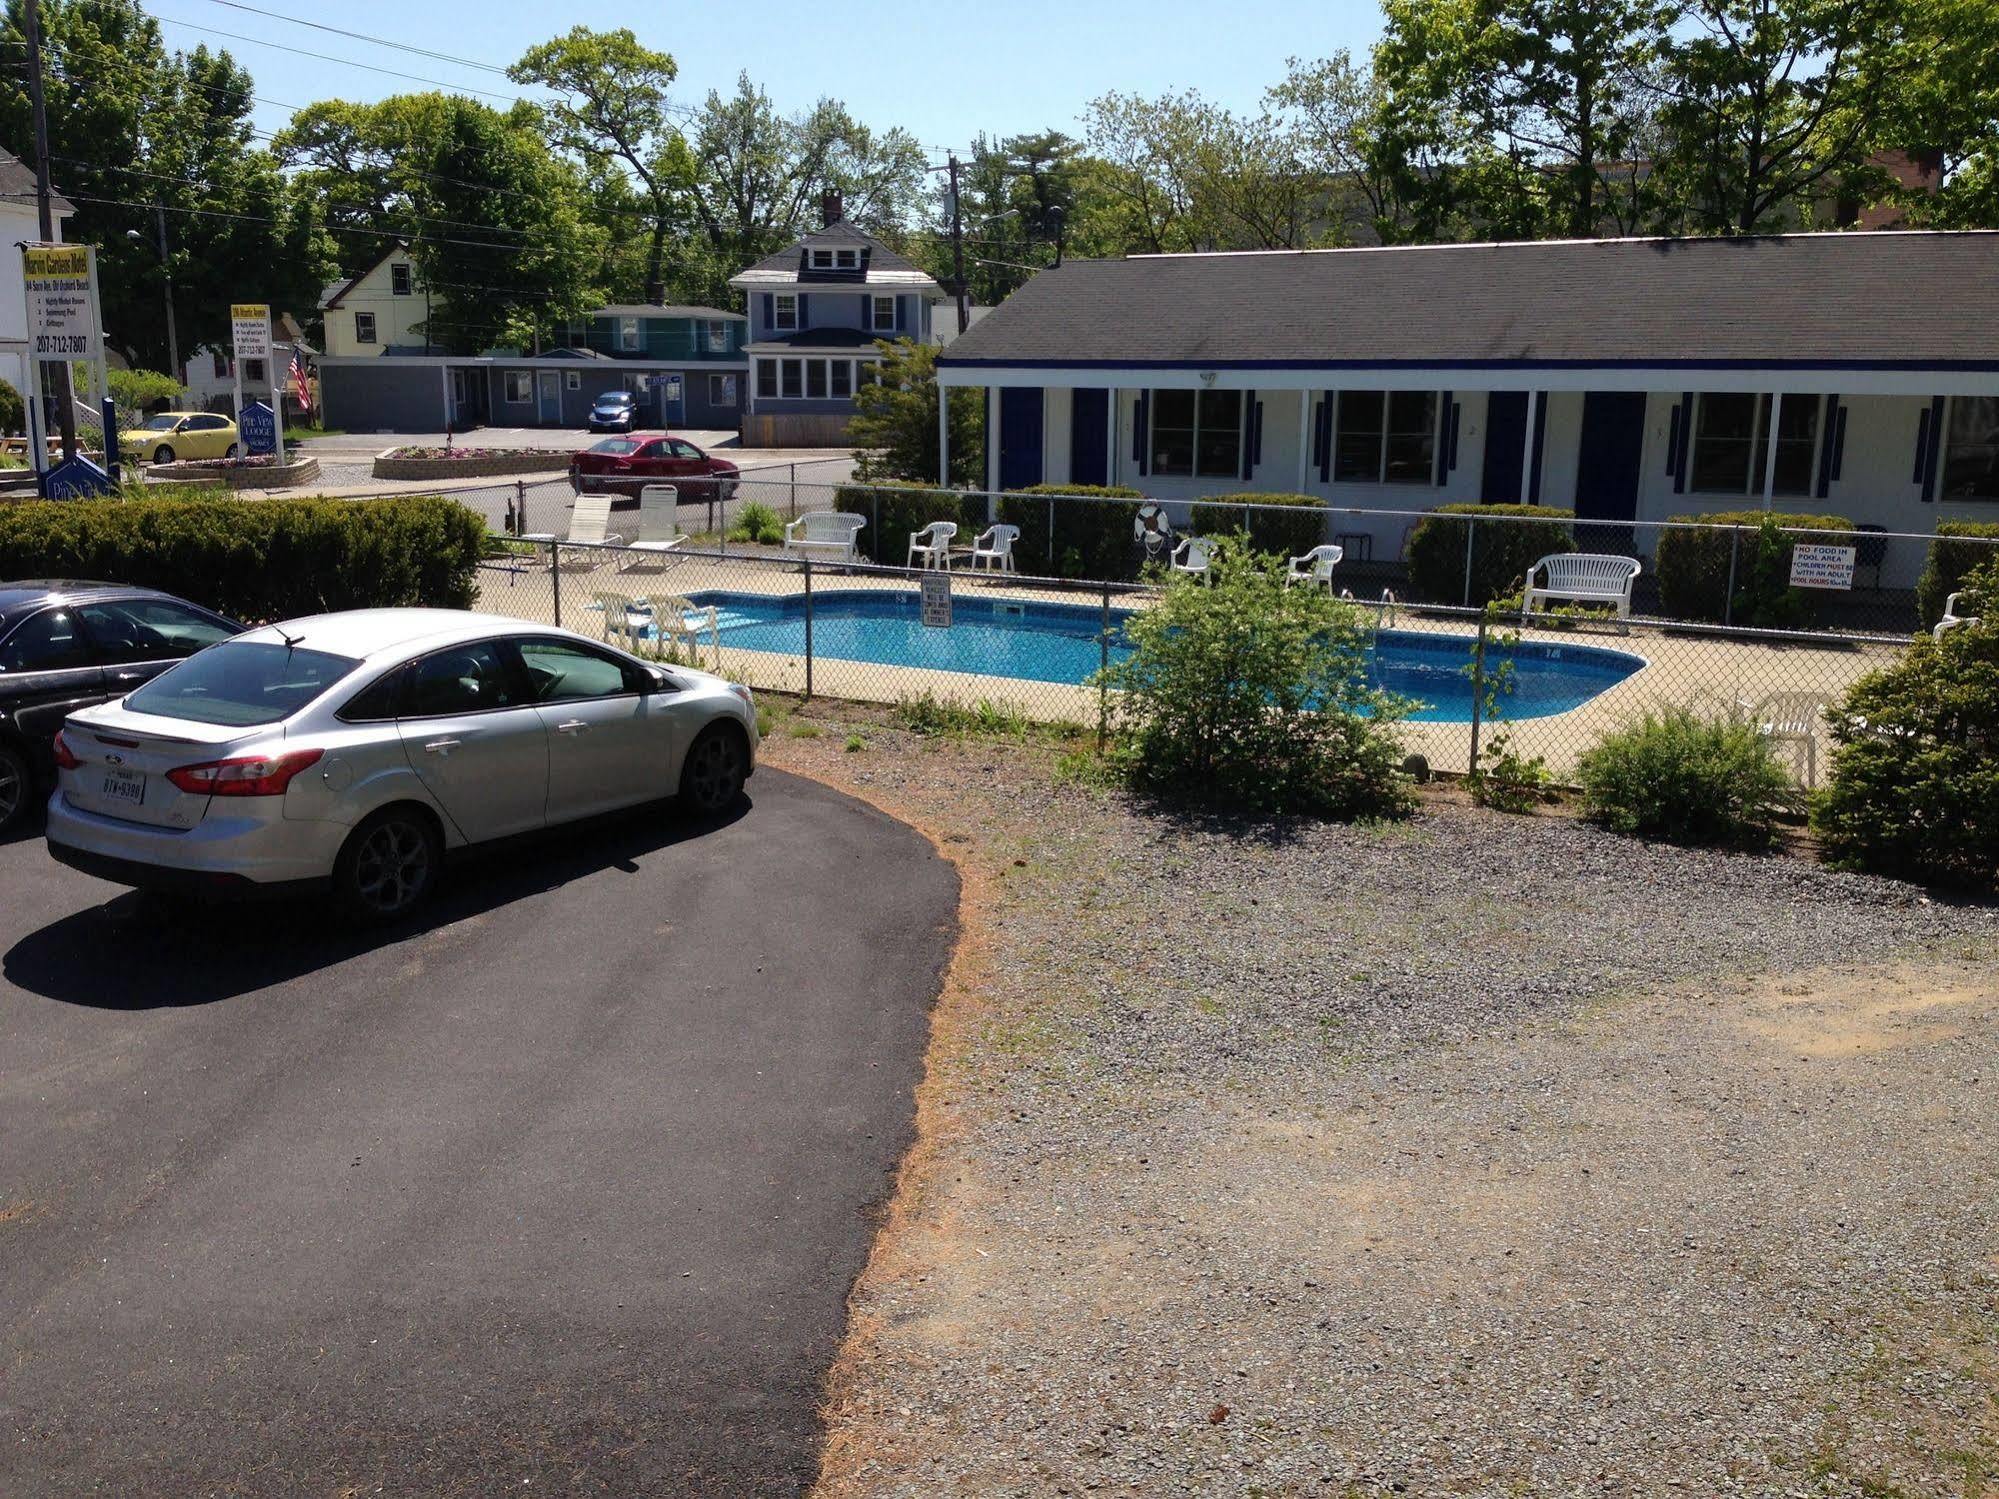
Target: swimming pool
(1040, 642)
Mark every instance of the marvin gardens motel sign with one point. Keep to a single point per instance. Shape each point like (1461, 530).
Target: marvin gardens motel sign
(60, 283)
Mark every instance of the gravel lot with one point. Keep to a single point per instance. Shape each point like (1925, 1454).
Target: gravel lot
(1479, 1155)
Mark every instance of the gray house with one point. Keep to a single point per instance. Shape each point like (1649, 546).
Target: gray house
(815, 313)
(685, 365)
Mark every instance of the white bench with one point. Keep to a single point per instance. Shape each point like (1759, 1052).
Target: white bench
(835, 533)
(1581, 578)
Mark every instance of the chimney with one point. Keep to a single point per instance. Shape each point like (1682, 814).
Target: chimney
(655, 293)
(831, 209)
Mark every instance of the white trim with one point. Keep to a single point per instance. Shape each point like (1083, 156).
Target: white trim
(777, 311)
(503, 361)
(1842, 382)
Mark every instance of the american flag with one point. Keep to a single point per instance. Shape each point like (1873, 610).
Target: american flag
(299, 386)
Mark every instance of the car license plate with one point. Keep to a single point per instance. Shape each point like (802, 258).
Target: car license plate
(125, 786)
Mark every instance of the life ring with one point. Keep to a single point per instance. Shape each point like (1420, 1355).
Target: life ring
(1151, 526)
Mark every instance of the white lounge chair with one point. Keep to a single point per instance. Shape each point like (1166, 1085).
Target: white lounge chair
(1952, 620)
(620, 628)
(834, 534)
(1316, 566)
(992, 549)
(1195, 557)
(659, 528)
(1792, 718)
(675, 623)
(1581, 578)
(931, 547)
(589, 530)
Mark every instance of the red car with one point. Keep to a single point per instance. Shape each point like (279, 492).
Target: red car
(625, 464)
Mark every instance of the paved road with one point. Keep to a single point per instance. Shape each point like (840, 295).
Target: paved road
(560, 1194)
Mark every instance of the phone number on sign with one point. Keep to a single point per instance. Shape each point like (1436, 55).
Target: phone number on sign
(61, 343)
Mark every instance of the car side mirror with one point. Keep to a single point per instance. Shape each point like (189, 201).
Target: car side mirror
(658, 680)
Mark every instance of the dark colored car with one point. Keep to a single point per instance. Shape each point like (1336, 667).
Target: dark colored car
(66, 645)
(625, 465)
(614, 411)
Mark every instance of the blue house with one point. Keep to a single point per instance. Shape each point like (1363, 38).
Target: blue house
(815, 313)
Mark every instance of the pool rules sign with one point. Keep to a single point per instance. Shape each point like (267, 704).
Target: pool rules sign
(936, 600)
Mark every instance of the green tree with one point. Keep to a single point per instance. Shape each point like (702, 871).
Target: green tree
(1335, 108)
(894, 428)
(1946, 103)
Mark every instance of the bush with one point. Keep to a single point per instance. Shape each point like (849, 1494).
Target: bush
(1915, 776)
(894, 511)
(1961, 545)
(1091, 540)
(1693, 567)
(13, 413)
(1244, 693)
(256, 559)
(757, 522)
(1500, 557)
(1686, 779)
(1288, 532)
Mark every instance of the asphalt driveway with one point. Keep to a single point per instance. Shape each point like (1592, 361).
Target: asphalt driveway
(562, 1192)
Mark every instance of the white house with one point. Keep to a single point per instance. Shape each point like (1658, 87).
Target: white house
(380, 311)
(18, 221)
(1628, 379)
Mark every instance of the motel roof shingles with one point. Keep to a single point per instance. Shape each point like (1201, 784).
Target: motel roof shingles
(1906, 299)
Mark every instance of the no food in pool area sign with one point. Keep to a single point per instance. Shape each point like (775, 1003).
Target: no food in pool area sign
(937, 600)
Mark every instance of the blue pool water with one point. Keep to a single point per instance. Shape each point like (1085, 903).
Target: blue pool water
(1058, 643)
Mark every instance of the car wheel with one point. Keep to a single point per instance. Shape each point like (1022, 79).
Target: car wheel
(233, 451)
(718, 762)
(17, 787)
(388, 865)
(163, 454)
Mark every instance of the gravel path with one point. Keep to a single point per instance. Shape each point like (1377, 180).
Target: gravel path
(1479, 1155)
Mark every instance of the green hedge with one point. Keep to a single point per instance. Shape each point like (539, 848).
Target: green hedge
(1950, 560)
(1501, 554)
(1693, 567)
(1289, 531)
(895, 510)
(256, 559)
(1091, 540)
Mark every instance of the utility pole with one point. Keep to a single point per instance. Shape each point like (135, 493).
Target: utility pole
(167, 280)
(45, 210)
(957, 242)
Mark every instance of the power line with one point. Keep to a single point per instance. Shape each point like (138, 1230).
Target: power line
(345, 62)
(362, 36)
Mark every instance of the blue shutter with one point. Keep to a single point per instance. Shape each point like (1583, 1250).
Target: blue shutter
(1839, 445)
(1457, 414)
(1926, 460)
(1673, 445)
(1829, 418)
(770, 314)
(1540, 434)
(1248, 433)
(804, 319)
(1139, 415)
(1686, 436)
(1256, 436)
(1326, 438)
(1440, 462)
(901, 314)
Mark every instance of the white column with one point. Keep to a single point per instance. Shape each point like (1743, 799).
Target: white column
(944, 437)
(1304, 438)
(992, 437)
(444, 383)
(1527, 448)
(1770, 449)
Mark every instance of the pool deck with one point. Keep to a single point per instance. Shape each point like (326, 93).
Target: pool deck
(1682, 667)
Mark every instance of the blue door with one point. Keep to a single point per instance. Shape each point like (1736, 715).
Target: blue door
(1609, 460)
(1020, 436)
(1505, 447)
(1089, 437)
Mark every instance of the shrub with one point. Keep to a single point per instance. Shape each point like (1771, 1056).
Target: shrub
(13, 413)
(757, 522)
(1501, 776)
(1694, 567)
(1686, 779)
(256, 559)
(1244, 693)
(1501, 554)
(1960, 546)
(1290, 531)
(1915, 776)
(1091, 540)
(896, 510)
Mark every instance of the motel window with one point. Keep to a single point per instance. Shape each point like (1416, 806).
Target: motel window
(843, 378)
(785, 314)
(815, 379)
(572, 379)
(883, 310)
(867, 372)
(1971, 449)
(794, 377)
(721, 390)
(1731, 443)
(718, 336)
(1385, 436)
(767, 378)
(1197, 433)
(221, 365)
(520, 387)
(399, 280)
(628, 333)
(364, 327)
(847, 260)
(822, 260)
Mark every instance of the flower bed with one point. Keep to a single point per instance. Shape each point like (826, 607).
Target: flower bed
(260, 472)
(465, 463)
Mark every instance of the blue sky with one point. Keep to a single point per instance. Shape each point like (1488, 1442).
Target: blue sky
(944, 70)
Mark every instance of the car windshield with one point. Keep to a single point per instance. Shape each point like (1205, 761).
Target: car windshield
(241, 682)
(161, 423)
(615, 445)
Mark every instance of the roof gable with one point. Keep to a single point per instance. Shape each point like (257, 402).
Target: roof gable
(396, 247)
(879, 265)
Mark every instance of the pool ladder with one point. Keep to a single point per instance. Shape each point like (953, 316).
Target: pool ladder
(1384, 610)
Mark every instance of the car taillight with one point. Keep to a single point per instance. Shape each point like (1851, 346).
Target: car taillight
(65, 756)
(255, 775)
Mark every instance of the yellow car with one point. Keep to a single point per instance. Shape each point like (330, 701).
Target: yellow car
(174, 435)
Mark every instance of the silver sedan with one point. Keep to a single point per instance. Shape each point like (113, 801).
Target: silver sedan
(351, 751)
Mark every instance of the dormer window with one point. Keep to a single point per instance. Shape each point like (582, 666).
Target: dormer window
(822, 260)
(882, 314)
(847, 260)
(784, 314)
(399, 280)
(628, 333)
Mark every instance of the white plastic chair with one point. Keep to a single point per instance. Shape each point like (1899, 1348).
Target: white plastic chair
(589, 527)
(1195, 557)
(620, 629)
(1316, 566)
(1792, 718)
(1952, 620)
(659, 528)
(931, 547)
(992, 549)
(675, 622)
